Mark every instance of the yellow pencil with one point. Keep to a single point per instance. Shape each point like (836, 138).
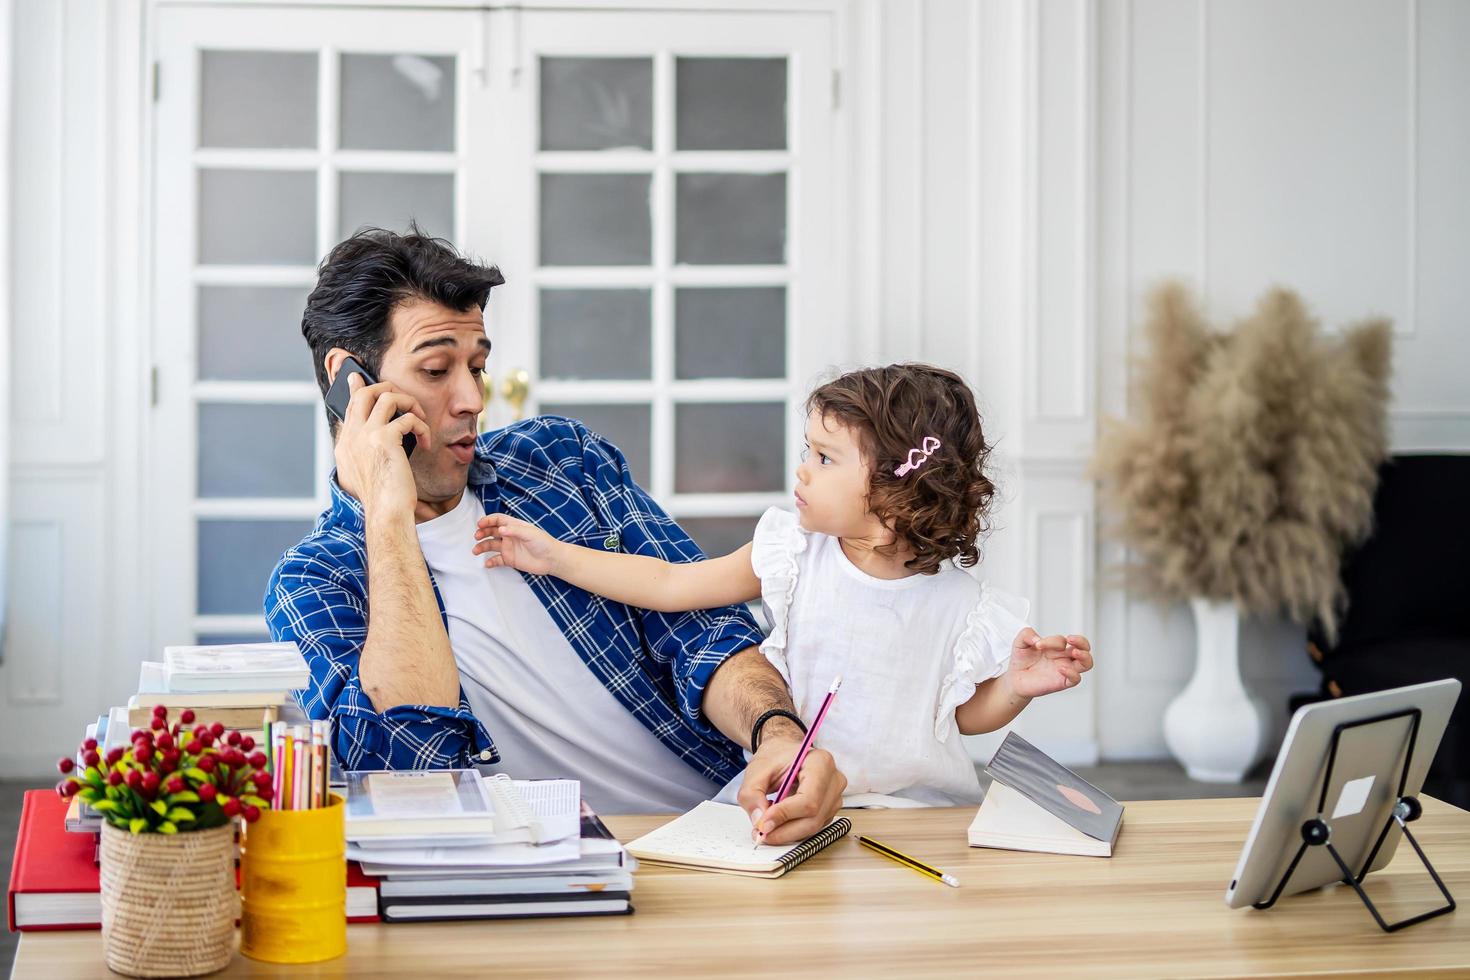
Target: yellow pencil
(288, 797)
(908, 862)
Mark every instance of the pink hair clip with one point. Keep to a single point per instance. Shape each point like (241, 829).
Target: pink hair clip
(918, 455)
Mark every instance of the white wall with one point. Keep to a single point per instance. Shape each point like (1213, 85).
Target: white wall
(1023, 170)
(1318, 144)
(75, 380)
(1038, 165)
(975, 134)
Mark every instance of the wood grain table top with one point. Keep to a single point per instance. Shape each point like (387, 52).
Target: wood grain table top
(1156, 908)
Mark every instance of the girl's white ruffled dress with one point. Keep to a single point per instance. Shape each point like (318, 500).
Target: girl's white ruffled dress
(909, 650)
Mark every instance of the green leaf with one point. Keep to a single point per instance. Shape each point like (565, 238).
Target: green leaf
(255, 801)
(179, 815)
(197, 774)
(167, 828)
(137, 825)
(159, 807)
(183, 796)
(104, 806)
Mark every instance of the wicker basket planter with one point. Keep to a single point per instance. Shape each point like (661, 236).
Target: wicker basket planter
(169, 903)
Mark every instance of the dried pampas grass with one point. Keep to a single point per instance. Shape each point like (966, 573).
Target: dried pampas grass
(1251, 458)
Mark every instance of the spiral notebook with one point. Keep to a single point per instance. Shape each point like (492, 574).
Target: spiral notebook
(716, 837)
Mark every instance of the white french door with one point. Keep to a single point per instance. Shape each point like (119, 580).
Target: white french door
(278, 132)
(669, 248)
(657, 187)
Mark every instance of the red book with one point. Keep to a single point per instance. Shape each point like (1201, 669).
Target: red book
(362, 895)
(53, 880)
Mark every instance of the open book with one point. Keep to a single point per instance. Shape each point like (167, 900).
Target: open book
(716, 837)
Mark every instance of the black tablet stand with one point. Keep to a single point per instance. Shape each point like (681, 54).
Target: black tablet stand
(1318, 833)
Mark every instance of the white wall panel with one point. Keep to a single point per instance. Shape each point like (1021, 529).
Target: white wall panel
(77, 377)
(58, 194)
(1059, 403)
(1316, 193)
(956, 183)
(49, 683)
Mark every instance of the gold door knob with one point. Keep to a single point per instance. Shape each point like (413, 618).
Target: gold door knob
(487, 395)
(514, 389)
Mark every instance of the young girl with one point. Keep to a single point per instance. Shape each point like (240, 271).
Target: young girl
(861, 580)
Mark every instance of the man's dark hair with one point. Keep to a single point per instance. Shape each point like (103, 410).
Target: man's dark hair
(363, 278)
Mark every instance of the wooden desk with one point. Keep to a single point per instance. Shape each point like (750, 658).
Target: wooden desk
(1155, 909)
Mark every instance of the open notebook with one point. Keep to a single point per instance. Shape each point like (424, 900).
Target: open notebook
(716, 837)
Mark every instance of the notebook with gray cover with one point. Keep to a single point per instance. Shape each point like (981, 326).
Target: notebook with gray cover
(1028, 773)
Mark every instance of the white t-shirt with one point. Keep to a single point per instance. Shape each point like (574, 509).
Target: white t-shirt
(909, 650)
(549, 714)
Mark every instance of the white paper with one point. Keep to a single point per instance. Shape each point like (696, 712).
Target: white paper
(556, 804)
(493, 856)
(712, 833)
(1353, 797)
(397, 794)
(419, 840)
(151, 678)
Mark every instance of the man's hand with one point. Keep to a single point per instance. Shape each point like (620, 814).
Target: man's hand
(1047, 664)
(809, 808)
(371, 463)
(512, 543)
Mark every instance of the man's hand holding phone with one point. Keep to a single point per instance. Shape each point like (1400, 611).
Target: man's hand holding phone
(371, 462)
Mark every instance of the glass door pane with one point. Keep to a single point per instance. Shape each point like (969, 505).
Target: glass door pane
(667, 306)
(279, 133)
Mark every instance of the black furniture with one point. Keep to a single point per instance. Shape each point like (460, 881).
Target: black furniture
(1408, 616)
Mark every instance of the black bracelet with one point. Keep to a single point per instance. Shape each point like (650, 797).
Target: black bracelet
(755, 730)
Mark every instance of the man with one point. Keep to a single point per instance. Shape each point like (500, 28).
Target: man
(419, 654)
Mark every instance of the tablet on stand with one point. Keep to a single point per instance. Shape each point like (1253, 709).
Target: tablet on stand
(1342, 793)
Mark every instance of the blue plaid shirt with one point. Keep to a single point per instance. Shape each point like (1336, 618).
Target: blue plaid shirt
(558, 475)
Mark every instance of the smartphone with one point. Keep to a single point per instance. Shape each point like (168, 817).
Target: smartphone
(339, 395)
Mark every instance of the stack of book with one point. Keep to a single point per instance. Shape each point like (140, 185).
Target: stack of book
(457, 845)
(242, 686)
(54, 883)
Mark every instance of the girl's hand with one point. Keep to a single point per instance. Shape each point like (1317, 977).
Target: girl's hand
(512, 543)
(1047, 664)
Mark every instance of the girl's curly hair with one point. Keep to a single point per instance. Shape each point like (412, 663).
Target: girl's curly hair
(940, 510)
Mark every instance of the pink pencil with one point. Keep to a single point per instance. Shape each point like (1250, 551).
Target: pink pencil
(789, 783)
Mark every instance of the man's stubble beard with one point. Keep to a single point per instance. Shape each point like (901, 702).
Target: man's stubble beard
(437, 485)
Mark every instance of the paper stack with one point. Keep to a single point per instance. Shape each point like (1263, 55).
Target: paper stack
(456, 845)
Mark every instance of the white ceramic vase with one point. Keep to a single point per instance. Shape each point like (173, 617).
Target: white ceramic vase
(1215, 728)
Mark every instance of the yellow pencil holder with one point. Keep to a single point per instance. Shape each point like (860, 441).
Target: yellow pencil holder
(293, 885)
